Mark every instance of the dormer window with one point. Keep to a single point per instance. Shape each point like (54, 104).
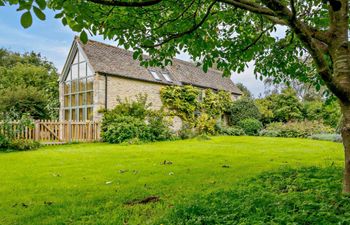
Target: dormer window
(167, 77)
(155, 74)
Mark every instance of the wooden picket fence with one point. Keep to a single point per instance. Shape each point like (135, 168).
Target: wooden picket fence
(55, 132)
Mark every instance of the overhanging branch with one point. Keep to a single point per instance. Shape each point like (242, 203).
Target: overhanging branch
(189, 31)
(126, 3)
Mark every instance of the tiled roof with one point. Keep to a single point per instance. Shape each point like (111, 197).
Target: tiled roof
(112, 60)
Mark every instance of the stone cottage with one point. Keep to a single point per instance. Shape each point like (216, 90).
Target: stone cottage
(96, 74)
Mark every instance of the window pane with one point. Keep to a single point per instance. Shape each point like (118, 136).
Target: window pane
(75, 87)
(81, 114)
(82, 70)
(66, 101)
(74, 114)
(90, 84)
(81, 58)
(75, 59)
(68, 78)
(81, 99)
(66, 114)
(89, 72)
(67, 87)
(74, 103)
(82, 85)
(167, 77)
(89, 114)
(154, 74)
(89, 98)
(74, 72)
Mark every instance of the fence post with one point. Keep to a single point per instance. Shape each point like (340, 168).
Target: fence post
(70, 131)
(37, 130)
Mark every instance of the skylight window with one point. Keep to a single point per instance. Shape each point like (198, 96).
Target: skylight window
(167, 77)
(155, 75)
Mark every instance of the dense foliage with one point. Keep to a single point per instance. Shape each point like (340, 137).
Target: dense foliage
(281, 107)
(243, 108)
(250, 126)
(133, 121)
(288, 196)
(199, 109)
(287, 106)
(28, 84)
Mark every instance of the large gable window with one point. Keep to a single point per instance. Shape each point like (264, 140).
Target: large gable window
(78, 91)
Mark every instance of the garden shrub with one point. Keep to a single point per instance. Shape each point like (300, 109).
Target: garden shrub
(301, 129)
(287, 196)
(23, 145)
(205, 124)
(158, 127)
(250, 126)
(123, 128)
(231, 131)
(134, 120)
(186, 132)
(4, 142)
(327, 137)
(241, 109)
(313, 110)
(332, 114)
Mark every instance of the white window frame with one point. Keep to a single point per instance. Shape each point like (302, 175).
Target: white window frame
(167, 77)
(155, 75)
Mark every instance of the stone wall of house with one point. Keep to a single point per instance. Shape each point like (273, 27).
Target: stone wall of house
(129, 88)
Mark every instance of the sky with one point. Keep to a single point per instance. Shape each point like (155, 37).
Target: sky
(53, 41)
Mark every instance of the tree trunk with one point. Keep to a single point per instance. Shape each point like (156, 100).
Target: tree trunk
(345, 131)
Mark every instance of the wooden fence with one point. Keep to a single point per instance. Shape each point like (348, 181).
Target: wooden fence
(54, 132)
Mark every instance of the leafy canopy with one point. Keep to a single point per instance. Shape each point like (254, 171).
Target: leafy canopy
(218, 33)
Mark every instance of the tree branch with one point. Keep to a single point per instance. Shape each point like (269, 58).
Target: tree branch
(178, 35)
(250, 6)
(257, 39)
(126, 4)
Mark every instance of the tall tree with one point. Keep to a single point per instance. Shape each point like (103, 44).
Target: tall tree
(28, 84)
(225, 33)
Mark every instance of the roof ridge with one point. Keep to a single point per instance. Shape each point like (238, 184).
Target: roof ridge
(112, 59)
(131, 52)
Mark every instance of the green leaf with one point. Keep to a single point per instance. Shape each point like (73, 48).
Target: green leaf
(83, 37)
(26, 19)
(2, 3)
(41, 4)
(76, 27)
(64, 21)
(39, 13)
(59, 15)
(135, 55)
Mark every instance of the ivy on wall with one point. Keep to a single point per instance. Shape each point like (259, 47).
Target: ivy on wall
(197, 108)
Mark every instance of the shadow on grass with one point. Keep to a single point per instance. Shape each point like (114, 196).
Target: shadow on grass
(288, 196)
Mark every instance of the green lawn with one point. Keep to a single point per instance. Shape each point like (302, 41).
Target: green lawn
(91, 183)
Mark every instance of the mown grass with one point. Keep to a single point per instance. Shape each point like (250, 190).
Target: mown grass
(287, 196)
(91, 183)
